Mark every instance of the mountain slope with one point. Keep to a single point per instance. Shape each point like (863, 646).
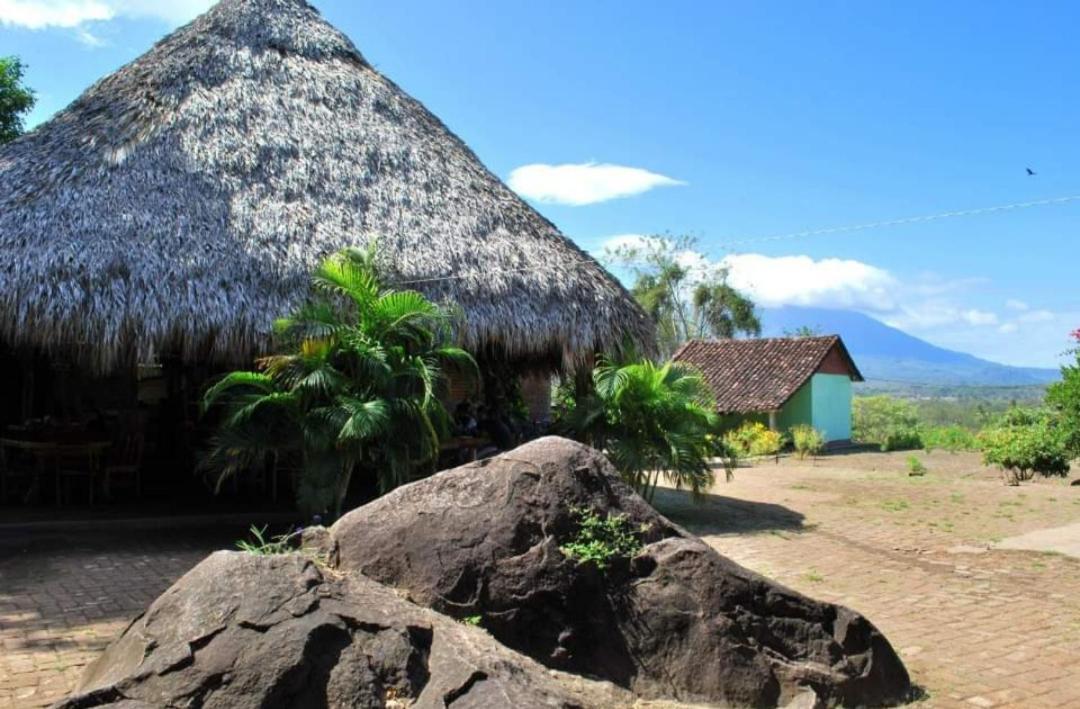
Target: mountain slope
(887, 354)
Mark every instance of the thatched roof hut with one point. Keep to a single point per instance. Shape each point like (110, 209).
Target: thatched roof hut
(180, 203)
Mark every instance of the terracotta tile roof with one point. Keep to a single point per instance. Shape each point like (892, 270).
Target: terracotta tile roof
(757, 375)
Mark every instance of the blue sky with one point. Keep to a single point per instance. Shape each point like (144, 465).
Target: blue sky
(733, 121)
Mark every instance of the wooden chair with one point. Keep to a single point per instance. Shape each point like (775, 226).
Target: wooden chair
(74, 464)
(125, 458)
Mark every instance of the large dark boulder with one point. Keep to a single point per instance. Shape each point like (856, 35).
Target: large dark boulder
(677, 621)
(242, 631)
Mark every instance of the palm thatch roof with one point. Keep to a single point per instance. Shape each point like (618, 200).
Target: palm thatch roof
(181, 202)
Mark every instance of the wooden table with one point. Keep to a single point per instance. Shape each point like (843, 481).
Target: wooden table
(50, 453)
(470, 444)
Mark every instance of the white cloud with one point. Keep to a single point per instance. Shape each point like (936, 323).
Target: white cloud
(979, 317)
(1037, 316)
(74, 14)
(926, 305)
(801, 280)
(585, 183)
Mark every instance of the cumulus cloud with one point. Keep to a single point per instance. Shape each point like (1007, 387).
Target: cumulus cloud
(1016, 305)
(584, 183)
(75, 14)
(801, 280)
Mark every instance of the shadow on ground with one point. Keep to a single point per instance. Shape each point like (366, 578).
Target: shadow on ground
(716, 514)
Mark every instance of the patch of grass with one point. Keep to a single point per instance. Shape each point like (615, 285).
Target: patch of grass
(894, 505)
(600, 540)
(813, 576)
(473, 620)
(956, 497)
(267, 546)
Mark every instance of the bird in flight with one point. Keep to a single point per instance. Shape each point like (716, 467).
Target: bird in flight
(1031, 172)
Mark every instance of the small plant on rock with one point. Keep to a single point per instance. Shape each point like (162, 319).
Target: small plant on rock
(267, 546)
(601, 539)
(915, 467)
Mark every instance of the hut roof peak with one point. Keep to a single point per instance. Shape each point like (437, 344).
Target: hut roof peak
(181, 203)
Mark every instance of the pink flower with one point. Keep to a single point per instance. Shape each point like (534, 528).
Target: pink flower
(1075, 334)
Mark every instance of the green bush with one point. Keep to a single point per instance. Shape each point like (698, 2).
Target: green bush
(951, 438)
(599, 540)
(1026, 442)
(807, 440)
(902, 439)
(1064, 397)
(915, 466)
(754, 439)
(892, 424)
(652, 420)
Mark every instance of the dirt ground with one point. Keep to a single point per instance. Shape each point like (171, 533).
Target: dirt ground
(976, 625)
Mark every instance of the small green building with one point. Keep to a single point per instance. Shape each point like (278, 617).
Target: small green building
(781, 381)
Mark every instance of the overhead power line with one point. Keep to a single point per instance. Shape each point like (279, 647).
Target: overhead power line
(727, 243)
(900, 222)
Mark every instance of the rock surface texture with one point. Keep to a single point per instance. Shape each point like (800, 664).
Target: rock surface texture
(241, 631)
(677, 621)
(364, 616)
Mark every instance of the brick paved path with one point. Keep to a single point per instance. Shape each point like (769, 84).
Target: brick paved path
(976, 627)
(65, 596)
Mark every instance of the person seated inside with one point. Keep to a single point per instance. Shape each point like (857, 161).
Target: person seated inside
(465, 423)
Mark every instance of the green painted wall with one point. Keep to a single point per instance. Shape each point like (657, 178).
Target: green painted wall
(831, 405)
(824, 402)
(797, 410)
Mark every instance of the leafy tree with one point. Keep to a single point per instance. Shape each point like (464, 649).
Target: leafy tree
(15, 99)
(685, 296)
(1064, 397)
(652, 421)
(803, 331)
(354, 390)
(1025, 442)
(891, 423)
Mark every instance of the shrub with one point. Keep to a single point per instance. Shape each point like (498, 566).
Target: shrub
(915, 466)
(653, 421)
(600, 540)
(891, 423)
(352, 389)
(1064, 397)
(902, 439)
(950, 438)
(1026, 442)
(807, 440)
(754, 439)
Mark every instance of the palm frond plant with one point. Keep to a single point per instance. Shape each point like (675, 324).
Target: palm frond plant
(653, 421)
(354, 389)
